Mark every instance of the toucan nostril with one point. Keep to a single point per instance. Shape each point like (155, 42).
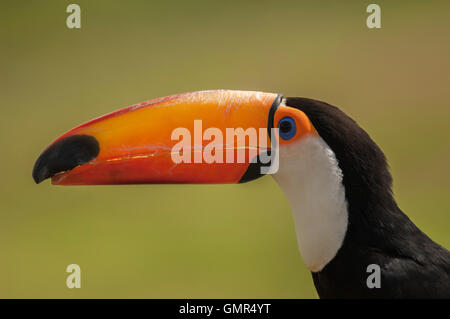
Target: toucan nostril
(64, 155)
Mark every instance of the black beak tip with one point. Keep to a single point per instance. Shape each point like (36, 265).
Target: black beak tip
(40, 172)
(65, 155)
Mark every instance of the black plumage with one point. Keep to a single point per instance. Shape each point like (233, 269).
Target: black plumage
(412, 265)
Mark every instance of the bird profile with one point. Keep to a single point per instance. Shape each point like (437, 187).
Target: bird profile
(333, 174)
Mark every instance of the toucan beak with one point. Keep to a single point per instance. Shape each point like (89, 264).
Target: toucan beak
(166, 140)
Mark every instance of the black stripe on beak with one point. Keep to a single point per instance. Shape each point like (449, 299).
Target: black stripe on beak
(254, 169)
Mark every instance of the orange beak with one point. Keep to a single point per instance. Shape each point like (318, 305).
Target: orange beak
(185, 138)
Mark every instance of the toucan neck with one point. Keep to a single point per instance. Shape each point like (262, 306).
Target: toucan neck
(335, 204)
(311, 179)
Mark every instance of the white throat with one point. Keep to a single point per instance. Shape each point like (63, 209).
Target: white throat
(311, 179)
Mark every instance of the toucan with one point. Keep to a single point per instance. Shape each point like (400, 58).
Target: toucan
(333, 174)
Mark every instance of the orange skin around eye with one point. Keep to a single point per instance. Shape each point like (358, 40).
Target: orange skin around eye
(304, 125)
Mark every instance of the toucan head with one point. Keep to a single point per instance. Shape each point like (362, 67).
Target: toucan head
(200, 137)
(328, 167)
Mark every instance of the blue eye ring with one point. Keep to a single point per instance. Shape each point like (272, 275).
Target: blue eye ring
(287, 128)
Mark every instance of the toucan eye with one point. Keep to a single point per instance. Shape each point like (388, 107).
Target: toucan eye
(287, 128)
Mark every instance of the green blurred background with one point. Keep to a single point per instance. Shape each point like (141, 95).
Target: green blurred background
(205, 241)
